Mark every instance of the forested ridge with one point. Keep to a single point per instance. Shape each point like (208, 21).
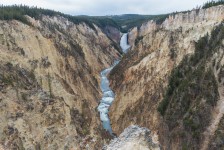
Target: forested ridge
(213, 3)
(121, 22)
(18, 12)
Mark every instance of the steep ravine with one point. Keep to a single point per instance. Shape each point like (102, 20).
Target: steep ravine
(50, 83)
(141, 79)
(108, 94)
(168, 84)
(133, 137)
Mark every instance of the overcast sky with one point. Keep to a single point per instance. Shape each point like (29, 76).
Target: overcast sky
(110, 7)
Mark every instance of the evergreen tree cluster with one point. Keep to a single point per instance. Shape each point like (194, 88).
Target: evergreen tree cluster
(191, 70)
(18, 12)
(213, 3)
(121, 22)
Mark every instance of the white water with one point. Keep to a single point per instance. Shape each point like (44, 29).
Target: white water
(124, 43)
(108, 94)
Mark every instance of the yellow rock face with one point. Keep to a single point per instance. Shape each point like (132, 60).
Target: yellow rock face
(140, 78)
(49, 83)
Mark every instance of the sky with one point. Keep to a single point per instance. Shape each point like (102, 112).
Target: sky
(111, 7)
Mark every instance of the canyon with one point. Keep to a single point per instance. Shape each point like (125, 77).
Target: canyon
(142, 77)
(50, 83)
(108, 94)
(66, 85)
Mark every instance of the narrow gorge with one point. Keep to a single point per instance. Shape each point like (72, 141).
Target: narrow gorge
(108, 94)
(122, 82)
(158, 83)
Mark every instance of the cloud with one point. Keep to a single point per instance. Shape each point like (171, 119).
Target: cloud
(111, 7)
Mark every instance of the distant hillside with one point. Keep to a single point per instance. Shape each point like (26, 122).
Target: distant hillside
(18, 11)
(129, 21)
(121, 22)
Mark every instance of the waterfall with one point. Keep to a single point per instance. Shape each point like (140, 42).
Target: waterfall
(108, 94)
(124, 43)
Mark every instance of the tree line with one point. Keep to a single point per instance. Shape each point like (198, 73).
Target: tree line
(213, 3)
(18, 12)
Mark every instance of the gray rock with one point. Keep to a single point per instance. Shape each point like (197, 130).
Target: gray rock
(133, 138)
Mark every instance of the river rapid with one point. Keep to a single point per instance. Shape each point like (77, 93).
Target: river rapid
(108, 94)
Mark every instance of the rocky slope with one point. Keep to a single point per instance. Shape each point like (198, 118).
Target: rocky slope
(133, 137)
(141, 79)
(217, 139)
(185, 21)
(49, 83)
(113, 33)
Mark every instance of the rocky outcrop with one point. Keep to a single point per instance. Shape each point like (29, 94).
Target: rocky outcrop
(49, 83)
(113, 33)
(132, 35)
(133, 138)
(147, 28)
(197, 16)
(183, 20)
(141, 78)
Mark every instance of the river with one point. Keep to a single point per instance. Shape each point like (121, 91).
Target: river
(108, 94)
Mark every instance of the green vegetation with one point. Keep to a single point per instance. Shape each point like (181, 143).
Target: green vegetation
(217, 140)
(18, 11)
(138, 39)
(192, 91)
(173, 54)
(192, 71)
(82, 120)
(213, 3)
(6, 79)
(24, 96)
(49, 85)
(122, 22)
(18, 79)
(129, 21)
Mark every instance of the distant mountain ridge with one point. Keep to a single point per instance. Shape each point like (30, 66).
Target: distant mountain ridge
(121, 22)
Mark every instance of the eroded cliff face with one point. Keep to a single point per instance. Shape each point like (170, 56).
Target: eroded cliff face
(140, 80)
(113, 33)
(132, 35)
(49, 83)
(184, 21)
